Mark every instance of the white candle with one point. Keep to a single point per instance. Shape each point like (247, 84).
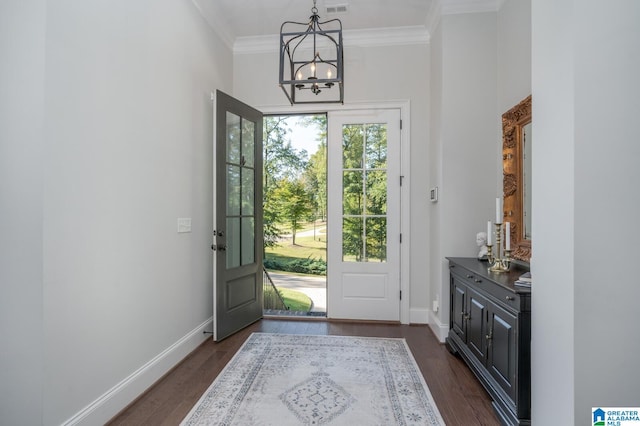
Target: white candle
(498, 210)
(489, 233)
(507, 236)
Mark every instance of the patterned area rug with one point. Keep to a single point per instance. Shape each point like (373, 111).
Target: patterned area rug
(282, 379)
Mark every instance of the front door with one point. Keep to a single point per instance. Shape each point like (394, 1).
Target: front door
(237, 216)
(364, 215)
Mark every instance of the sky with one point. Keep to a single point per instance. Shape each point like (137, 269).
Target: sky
(302, 137)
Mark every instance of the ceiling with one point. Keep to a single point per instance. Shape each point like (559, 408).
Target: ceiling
(242, 19)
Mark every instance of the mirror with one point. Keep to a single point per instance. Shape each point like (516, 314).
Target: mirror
(517, 140)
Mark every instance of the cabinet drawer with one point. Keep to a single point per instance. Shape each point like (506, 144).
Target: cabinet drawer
(507, 297)
(497, 293)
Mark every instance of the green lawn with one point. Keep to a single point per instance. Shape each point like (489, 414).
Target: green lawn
(306, 247)
(295, 300)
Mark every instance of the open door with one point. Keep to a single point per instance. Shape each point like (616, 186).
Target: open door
(237, 216)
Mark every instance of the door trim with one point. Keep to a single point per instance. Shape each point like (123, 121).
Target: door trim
(405, 169)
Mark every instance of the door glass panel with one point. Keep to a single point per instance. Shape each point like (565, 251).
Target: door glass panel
(376, 242)
(233, 190)
(352, 145)
(233, 138)
(353, 192)
(376, 155)
(376, 192)
(248, 244)
(248, 136)
(352, 245)
(364, 193)
(233, 242)
(247, 191)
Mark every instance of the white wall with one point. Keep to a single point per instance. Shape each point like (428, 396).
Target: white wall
(113, 295)
(553, 212)
(22, 46)
(372, 74)
(514, 61)
(434, 160)
(464, 142)
(585, 91)
(607, 150)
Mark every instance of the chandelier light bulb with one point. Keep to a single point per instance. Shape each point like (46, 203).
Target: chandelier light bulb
(329, 74)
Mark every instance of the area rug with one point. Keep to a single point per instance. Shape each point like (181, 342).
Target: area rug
(283, 379)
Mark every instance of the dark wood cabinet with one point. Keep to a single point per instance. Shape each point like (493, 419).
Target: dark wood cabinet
(490, 328)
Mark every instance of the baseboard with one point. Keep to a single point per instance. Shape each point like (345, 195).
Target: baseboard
(440, 330)
(418, 316)
(118, 397)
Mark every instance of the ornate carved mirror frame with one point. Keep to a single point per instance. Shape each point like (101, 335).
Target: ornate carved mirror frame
(513, 122)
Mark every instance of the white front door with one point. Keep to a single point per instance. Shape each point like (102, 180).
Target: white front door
(364, 215)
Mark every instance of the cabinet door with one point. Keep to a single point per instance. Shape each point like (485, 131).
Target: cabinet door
(458, 307)
(476, 324)
(501, 359)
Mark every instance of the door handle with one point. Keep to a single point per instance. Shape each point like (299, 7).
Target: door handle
(215, 247)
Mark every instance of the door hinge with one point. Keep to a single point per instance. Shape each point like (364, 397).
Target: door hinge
(400, 238)
(400, 124)
(400, 294)
(401, 179)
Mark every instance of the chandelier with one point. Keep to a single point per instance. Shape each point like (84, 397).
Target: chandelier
(311, 63)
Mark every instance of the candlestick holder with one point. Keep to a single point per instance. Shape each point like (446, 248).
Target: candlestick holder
(497, 263)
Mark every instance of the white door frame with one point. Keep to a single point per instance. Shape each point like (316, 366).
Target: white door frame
(405, 170)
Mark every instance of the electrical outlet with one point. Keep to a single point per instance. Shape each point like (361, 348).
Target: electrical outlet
(435, 306)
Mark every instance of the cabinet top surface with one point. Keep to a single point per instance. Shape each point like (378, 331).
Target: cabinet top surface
(504, 279)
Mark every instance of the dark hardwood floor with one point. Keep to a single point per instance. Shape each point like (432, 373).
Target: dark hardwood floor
(458, 395)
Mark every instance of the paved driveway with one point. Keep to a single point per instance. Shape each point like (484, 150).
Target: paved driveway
(313, 286)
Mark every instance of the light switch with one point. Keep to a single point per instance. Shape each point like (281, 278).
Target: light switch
(184, 224)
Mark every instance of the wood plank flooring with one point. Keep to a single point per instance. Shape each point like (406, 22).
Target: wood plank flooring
(458, 395)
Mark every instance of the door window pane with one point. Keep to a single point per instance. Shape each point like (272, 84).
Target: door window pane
(248, 139)
(376, 241)
(376, 146)
(233, 138)
(233, 242)
(233, 190)
(376, 190)
(352, 244)
(247, 191)
(353, 192)
(352, 146)
(248, 242)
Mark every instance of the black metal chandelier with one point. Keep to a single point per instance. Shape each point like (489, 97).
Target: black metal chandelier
(311, 62)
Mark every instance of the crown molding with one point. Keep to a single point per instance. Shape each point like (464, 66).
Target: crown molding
(433, 16)
(217, 25)
(395, 36)
(452, 7)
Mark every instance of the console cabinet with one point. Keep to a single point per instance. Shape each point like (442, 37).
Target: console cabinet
(490, 328)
